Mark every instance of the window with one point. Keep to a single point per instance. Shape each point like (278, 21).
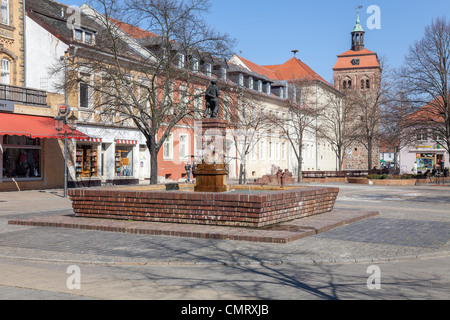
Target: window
(168, 148)
(22, 157)
(181, 60)
(88, 37)
(5, 71)
(283, 151)
(367, 84)
(78, 35)
(195, 65)
(86, 161)
(84, 95)
(84, 36)
(262, 150)
(184, 147)
(422, 135)
(241, 79)
(5, 11)
(223, 73)
(344, 84)
(123, 161)
(208, 70)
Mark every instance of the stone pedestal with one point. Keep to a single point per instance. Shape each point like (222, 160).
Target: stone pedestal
(211, 174)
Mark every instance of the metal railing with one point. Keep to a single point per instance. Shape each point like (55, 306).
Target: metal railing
(23, 95)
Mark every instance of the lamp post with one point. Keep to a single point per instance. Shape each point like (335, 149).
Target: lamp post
(70, 122)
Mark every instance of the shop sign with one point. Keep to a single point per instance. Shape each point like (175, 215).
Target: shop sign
(6, 106)
(64, 109)
(125, 161)
(424, 147)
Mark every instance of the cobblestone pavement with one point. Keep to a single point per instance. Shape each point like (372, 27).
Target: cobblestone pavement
(413, 225)
(413, 222)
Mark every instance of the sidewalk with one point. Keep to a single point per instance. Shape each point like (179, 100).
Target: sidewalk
(411, 226)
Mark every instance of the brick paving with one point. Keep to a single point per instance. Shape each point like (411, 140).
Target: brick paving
(280, 233)
(399, 232)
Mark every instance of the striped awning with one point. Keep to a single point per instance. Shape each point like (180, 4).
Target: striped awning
(98, 140)
(123, 141)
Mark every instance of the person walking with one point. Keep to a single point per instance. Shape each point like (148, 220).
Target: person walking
(193, 168)
(188, 169)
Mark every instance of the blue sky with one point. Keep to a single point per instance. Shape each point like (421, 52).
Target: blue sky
(267, 31)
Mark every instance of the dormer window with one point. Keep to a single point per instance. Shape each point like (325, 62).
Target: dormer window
(224, 73)
(195, 65)
(241, 79)
(88, 37)
(268, 88)
(259, 85)
(84, 36)
(181, 60)
(208, 70)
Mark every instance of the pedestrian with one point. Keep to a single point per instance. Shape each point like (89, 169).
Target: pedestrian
(188, 169)
(193, 168)
(434, 172)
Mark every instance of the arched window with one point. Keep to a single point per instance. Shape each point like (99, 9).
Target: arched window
(367, 84)
(363, 84)
(349, 84)
(5, 72)
(344, 84)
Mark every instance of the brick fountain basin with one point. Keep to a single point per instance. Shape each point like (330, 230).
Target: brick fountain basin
(237, 208)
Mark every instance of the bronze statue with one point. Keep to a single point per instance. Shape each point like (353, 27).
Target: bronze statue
(212, 100)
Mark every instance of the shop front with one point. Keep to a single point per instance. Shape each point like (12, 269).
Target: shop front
(111, 156)
(423, 158)
(31, 153)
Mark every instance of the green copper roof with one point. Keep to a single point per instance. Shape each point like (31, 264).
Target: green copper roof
(358, 27)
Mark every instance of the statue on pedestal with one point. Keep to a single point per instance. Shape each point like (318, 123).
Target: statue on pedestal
(212, 100)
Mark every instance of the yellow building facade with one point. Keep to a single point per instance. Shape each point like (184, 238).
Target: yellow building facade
(31, 156)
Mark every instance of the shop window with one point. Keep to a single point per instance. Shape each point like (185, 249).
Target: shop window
(22, 157)
(123, 161)
(86, 161)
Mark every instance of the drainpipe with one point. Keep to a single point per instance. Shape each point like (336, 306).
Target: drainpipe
(24, 44)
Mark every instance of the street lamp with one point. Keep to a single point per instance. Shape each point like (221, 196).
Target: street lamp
(70, 122)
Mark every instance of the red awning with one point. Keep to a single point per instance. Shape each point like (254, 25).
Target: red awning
(33, 127)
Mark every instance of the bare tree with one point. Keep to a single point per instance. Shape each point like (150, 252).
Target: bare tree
(337, 124)
(300, 120)
(154, 81)
(426, 72)
(248, 125)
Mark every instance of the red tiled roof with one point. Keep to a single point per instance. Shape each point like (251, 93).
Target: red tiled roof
(258, 69)
(431, 112)
(367, 59)
(293, 69)
(133, 31)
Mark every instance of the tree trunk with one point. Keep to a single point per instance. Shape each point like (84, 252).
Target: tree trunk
(153, 167)
(300, 170)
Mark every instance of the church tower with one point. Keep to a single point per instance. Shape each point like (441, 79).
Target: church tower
(358, 70)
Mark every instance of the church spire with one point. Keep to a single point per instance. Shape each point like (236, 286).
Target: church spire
(358, 34)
